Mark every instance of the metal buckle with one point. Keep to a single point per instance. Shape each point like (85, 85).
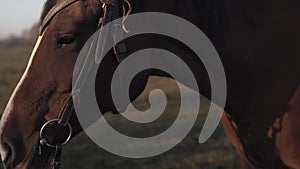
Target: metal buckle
(44, 141)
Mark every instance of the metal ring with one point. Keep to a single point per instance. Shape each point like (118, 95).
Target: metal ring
(56, 121)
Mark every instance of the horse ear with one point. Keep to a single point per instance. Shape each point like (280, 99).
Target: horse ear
(211, 124)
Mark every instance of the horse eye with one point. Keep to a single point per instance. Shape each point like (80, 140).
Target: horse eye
(65, 40)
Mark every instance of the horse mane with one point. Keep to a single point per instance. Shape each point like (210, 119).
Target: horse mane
(216, 18)
(213, 14)
(210, 16)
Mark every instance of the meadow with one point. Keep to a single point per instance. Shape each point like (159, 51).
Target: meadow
(83, 153)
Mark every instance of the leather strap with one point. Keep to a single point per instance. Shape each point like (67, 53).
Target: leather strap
(56, 163)
(112, 12)
(107, 1)
(65, 115)
(54, 11)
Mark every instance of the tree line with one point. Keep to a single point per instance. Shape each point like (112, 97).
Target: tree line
(26, 39)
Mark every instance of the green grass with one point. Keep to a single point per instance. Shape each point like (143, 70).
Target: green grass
(82, 153)
(12, 64)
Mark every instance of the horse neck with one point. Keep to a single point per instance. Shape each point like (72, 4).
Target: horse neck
(210, 16)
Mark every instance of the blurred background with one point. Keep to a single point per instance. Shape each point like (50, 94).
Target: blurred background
(18, 33)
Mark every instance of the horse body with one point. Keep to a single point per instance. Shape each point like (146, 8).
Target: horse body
(257, 43)
(264, 81)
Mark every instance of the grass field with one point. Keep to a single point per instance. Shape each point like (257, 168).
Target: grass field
(82, 153)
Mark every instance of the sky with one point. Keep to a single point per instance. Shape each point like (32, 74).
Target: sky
(17, 15)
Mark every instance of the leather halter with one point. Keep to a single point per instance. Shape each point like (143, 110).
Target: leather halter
(111, 12)
(53, 12)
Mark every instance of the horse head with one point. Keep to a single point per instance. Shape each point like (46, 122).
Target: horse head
(44, 91)
(46, 85)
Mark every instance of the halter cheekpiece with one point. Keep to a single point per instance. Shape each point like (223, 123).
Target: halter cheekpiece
(112, 10)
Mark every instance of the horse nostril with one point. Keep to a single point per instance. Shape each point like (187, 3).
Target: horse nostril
(6, 154)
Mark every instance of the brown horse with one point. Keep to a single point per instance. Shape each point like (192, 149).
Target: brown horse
(257, 42)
